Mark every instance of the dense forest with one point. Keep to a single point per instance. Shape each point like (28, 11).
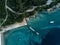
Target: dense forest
(21, 6)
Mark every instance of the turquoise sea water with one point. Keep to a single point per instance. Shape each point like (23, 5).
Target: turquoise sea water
(48, 32)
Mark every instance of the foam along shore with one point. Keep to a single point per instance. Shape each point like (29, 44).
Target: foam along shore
(54, 7)
(15, 25)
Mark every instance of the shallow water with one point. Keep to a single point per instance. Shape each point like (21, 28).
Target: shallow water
(41, 24)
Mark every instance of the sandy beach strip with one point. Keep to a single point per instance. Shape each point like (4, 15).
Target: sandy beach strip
(15, 25)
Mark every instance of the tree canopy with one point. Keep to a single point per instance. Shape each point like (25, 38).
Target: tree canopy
(21, 6)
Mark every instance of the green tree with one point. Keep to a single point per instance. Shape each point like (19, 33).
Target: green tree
(22, 6)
